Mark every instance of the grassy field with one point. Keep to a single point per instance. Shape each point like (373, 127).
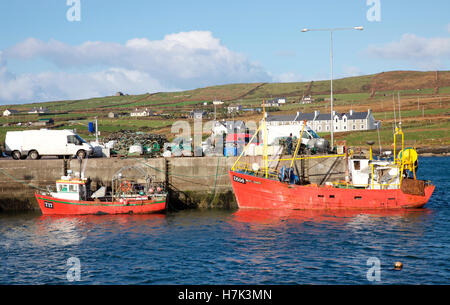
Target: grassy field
(425, 111)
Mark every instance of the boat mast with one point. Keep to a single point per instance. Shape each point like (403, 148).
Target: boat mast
(265, 163)
(299, 142)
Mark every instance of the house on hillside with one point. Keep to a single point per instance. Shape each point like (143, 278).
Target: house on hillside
(221, 127)
(283, 125)
(39, 110)
(141, 113)
(113, 115)
(217, 102)
(270, 103)
(9, 112)
(234, 108)
(306, 100)
(197, 114)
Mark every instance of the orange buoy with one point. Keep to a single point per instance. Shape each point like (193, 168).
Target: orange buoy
(398, 265)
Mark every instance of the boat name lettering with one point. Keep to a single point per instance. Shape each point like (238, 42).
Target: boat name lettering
(239, 179)
(48, 204)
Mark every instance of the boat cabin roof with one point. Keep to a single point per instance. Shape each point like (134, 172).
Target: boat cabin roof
(65, 180)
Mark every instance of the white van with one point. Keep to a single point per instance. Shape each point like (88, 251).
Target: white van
(45, 142)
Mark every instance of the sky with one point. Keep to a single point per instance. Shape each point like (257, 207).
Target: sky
(75, 49)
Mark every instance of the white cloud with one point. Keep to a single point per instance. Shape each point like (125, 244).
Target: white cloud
(179, 61)
(289, 77)
(62, 85)
(425, 52)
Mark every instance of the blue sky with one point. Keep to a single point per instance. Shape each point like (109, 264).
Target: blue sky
(147, 46)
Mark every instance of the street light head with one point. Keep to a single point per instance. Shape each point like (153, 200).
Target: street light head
(305, 30)
(359, 28)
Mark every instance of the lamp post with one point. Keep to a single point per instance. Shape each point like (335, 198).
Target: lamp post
(331, 30)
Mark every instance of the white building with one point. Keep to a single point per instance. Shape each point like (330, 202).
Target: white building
(234, 108)
(141, 113)
(9, 112)
(197, 114)
(270, 103)
(39, 110)
(321, 122)
(217, 102)
(307, 100)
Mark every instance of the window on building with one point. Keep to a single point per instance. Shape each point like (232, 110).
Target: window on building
(345, 127)
(354, 127)
(328, 128)
(362, 126)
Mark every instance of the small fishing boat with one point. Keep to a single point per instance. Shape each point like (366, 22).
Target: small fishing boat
(388, 183)
(129, 195)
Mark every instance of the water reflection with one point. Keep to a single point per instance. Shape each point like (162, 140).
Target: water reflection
(90, 223)
(353, 217)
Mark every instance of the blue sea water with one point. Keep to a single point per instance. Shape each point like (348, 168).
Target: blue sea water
(235, 247)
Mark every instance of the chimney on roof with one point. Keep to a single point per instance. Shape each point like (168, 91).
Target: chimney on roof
(316, 113)
(351, 111)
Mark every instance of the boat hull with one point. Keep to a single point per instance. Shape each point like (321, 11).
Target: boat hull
(260, 193)
(56, 206)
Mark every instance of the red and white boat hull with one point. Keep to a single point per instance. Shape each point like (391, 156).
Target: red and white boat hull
(260, 193)
(56, 206)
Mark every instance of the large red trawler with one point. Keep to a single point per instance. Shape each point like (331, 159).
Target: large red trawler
(371, 184)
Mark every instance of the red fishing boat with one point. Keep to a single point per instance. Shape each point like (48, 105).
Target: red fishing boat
(129, 195)
(370, 184)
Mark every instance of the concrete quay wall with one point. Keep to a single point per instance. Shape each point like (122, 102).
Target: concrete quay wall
(194, 182)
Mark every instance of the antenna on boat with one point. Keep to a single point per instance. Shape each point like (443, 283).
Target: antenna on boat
(399, 112)
(379, 141)
(265, 163)
(395, 119)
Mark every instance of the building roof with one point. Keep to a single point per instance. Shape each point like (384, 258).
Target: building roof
(356, 115)
(323, 117)
(281, 118)
(310, 116)
(306, 116)
(291, 118)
